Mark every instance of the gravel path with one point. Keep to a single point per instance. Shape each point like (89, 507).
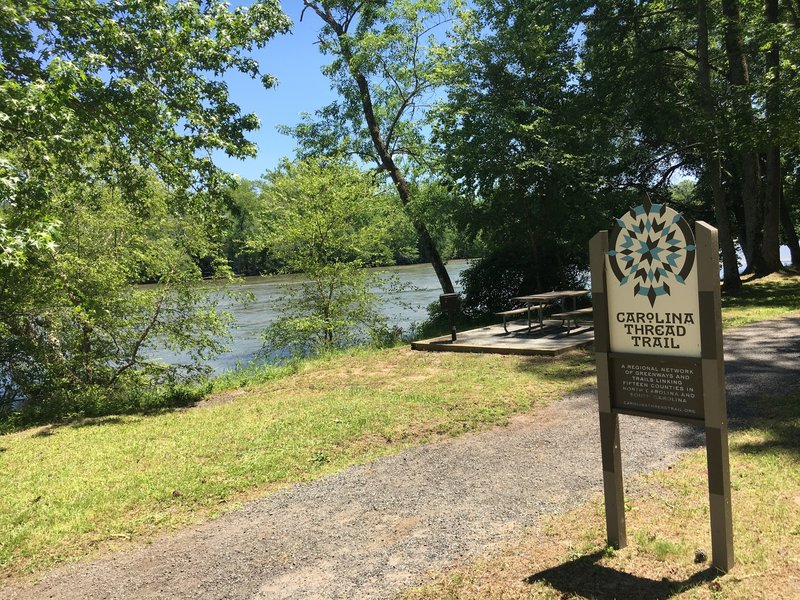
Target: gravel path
(372, 530)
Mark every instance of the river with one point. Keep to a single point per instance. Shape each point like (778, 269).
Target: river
(402, 310)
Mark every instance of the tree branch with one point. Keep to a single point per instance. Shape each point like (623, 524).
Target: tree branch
(137, 346)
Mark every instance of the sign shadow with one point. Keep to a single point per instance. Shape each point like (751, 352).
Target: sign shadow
(583, 576)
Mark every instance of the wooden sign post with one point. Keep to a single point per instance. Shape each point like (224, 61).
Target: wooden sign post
(658, 349)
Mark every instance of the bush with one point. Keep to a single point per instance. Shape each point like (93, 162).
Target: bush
(511, 271)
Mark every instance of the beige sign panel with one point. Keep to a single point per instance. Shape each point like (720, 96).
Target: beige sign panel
(652, 284)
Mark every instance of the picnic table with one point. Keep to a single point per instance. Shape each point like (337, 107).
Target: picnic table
(540, 301)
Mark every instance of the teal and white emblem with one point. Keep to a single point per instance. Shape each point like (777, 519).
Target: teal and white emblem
(651, 249)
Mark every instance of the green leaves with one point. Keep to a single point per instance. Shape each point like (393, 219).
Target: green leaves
(15, 246)
(322, 213)
(109, 112)
(327, 220)
(79, 336)
(396, 48)
(142, 77)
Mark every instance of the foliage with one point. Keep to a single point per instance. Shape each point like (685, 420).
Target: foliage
(16, 246)
(109, 113)
(386, 68)
(559, 116)
(506, 272)
(240, 224)
(327, 220)
(77, 336)
(142, 78)
(516, 141)
(644, 65)
(441, 207)
(393, 46)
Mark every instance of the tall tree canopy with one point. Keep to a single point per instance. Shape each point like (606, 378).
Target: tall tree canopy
(708, 61)
(109, 113)
(558, 114)
(517, 140)
(140, 78)
(385, 67)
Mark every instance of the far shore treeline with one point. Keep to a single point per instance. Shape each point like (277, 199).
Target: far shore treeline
(251, 210)
(509, 130)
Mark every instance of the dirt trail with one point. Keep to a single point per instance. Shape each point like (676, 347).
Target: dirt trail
(372, 530)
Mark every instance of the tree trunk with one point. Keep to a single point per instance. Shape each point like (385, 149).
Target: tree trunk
(387, 162)
(753, 212)
(739, 76)
(774, 180)
(400, 183)
(789, 232)
(713, 167)
(793, 9)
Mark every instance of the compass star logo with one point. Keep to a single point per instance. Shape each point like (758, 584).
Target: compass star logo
(651, 247)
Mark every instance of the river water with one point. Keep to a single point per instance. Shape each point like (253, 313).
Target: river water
(402, 309)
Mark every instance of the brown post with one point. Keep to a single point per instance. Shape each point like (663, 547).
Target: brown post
(609, 421)
(716, 419)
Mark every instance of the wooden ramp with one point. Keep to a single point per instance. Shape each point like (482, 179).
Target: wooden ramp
(551, 340)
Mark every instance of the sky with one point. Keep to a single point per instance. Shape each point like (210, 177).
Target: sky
(295, 61)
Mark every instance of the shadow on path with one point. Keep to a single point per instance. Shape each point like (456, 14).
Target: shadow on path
(585, 577)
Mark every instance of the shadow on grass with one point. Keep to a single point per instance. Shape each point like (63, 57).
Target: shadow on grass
(779, 416)
(768, 294)
(114, 415)
(564, 367)
(52, 428)
(585, 577)
(100, 421)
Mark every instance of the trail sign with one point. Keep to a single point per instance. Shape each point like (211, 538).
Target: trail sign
(658, 348)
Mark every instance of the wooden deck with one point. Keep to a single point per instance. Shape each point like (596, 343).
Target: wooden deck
(550, 341)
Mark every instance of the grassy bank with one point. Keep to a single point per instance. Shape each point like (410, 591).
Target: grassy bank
(762, 299)
(67, 491)
(667, 521)
(73, 490)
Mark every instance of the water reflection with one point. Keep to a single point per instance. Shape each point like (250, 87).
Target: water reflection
(402, 309)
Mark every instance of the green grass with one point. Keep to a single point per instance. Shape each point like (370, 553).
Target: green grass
(659, 548)
(67, 490)
(70, 490)
(762, 299)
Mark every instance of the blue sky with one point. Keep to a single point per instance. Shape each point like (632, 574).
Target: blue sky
(295, 60)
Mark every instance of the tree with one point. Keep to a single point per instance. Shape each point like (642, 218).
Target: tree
(516, 141)
(326, 220)
(752, 195)
(712, 149)
(77, 335)
(745, 95)
(240, 225)
(781, 89)
(141, 78)
(385, 67)
(109, 113)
